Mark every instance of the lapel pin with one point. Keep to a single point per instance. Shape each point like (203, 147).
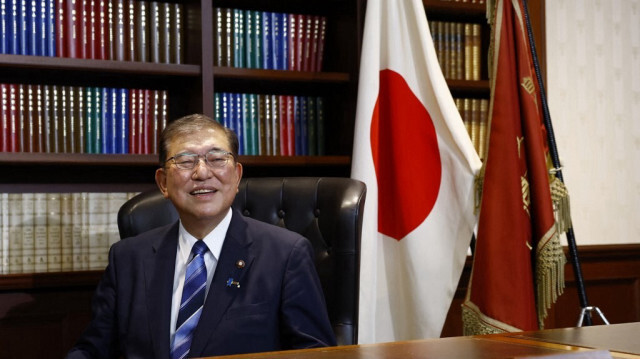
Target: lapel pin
(240, 263)
(231, 282)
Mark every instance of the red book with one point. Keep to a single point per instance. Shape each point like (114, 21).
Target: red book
(313, 45)
(320, 51)
(293, 41)
(300, 27)
(133, 120)
(4, 118)
(163, 97)
(89, 29)
(284, 125)
(61, 28)
(306, 43)
(146, 120)
(73, 31)
(14, 126)
(291, 136)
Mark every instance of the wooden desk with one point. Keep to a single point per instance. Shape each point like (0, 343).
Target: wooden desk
(621, 339)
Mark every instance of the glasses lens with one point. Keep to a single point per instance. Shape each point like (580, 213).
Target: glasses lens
(217, 159)
(186, 161)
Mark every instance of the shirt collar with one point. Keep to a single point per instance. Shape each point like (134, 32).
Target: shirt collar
(213, 240)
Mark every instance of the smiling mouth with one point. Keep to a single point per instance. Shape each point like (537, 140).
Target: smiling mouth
(199, 192)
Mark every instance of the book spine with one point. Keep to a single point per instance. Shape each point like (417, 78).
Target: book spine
(98, 134)
(312, 126)
(267, 60)
(122, 122)
(266, 125)
(297, 123)
(79, 115)
(257, 39)
(154, 32)
(238, 38)
(119, 30)
(48, 118)
(133, 121)
(142, 31)
(293, 42)
(66, 233)
(177, 34)
(28, 234)
(88, 123)
(321, 43)
(72, 36)
(275, 124)
(33, 28)
(23, 31)
(146, 112)
(228, 41)
(218, 46)
(306, 43)
(249, 57)
(163, 120)
(54, 234)
(14, 247)
(482, 133)
(13, 41)
(4, 27)
(246, 124)
(320, 126)
(98, 235)
(254, 113)
(70, 119)
(40, 232)
(85, 231)
(26, 119)
(102, 31)
(304, 138)
(50, 28)
(38, 108)
(291, 136)
(4, 233)
(76, 231)
(14, 118)
(165, 44)
(276, 38)
(283, 125)
(315, 38)
(262, 134)
(105, 120)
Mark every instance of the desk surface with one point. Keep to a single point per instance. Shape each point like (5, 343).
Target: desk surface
(623, 340)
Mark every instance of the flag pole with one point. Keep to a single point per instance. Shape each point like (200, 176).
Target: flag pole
(553, 151)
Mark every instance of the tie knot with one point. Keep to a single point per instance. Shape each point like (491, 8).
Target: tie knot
(199, 248)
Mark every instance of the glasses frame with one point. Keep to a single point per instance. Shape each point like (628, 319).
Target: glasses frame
(229, 155)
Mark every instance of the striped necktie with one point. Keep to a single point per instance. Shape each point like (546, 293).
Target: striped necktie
(195, 285)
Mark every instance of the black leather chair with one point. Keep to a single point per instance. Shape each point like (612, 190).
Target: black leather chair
(326, 210)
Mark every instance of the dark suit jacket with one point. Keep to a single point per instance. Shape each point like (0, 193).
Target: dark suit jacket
(278, 304)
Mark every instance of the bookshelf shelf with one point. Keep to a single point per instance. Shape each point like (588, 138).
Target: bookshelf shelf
(462, 11)
(56, 280)
(103, 66)
(278, 75)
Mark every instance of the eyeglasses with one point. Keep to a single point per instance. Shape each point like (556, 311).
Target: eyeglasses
(189, 161)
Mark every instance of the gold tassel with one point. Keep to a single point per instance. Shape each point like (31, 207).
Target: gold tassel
(561, 207)
(550, 261)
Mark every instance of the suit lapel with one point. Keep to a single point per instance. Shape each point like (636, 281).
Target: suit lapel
(226, 283)
(159, 273)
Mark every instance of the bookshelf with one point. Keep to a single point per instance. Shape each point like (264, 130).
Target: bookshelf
(191, 86)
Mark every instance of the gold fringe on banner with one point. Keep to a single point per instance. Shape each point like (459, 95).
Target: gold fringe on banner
(550, 261)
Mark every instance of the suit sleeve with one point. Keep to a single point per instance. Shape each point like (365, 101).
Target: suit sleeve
(98, 340)
(305, 322)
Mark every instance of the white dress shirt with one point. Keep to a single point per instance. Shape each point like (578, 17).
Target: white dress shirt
(186, 241)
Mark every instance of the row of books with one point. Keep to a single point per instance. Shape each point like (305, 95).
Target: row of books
(54, 232)
(274, 125)
(73, 119)
(474, 113)
(122, 30)
(458, 48)
(269, 40)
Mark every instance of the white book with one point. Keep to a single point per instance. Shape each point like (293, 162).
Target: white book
(28, 233)
(66, 230)
(116, 200)
(54, 233)
(4, 235)
(76, 231)
(40, 232)
(98, 231)
(15, 233)
(85, 230)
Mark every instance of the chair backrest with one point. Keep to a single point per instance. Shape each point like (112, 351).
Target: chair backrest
(325, 210)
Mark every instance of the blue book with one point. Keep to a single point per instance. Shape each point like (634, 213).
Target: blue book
(49, 21)
(237, 122)
(266, 41)
(121, 121)
(284, 42)
(246, 124)
(107, 120)
(13, 38)
(276, 40)
(33, 17)
(224, 112)
(23, 37)
(4, 27)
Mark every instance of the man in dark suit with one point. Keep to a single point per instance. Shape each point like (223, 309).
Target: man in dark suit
(262, 292)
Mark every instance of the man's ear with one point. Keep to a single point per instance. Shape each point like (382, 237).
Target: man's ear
(161, 181)
(239, 173)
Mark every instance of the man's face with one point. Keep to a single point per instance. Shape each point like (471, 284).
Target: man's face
(203, 194)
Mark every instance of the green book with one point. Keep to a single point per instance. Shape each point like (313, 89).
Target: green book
(257, 39)
(312, 131)
(248, 40)
(320, 125)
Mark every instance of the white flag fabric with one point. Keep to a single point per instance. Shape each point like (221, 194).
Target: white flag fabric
(417, 160)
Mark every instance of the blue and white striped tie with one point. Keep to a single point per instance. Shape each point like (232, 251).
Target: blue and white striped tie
(195, 285)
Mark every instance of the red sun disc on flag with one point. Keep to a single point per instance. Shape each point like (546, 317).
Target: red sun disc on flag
(406, 157)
